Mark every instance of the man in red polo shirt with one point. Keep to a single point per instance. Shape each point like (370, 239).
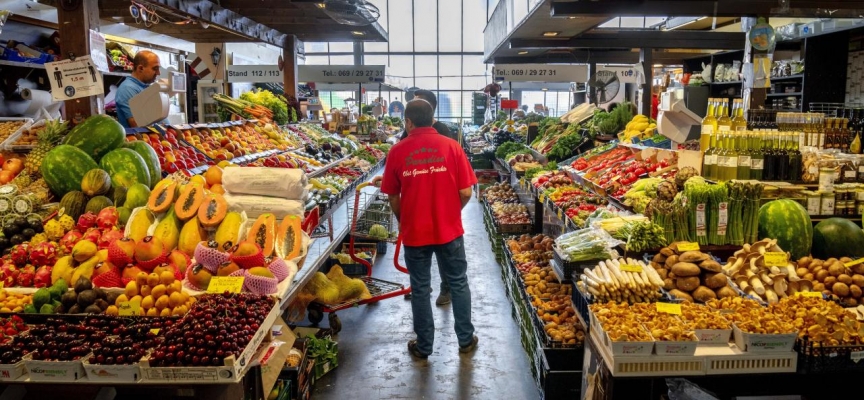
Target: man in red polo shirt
(428, 179)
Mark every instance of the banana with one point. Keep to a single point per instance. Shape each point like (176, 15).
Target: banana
(63, 269)
(168, 230)
(83, 250)
(140, 224)
(85, 270)
(229, 229)
(191, 234)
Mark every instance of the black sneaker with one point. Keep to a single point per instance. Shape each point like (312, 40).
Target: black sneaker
(412, 348)
(470, 347)
(443, 298)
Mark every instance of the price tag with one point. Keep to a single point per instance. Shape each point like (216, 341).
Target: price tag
(669, 308)
(848, 264)
(542, 197)
(688, 246)
(154, 331)
(776, 259)
(632, 268)
(221, 284)
(809, 294)
(130, 308)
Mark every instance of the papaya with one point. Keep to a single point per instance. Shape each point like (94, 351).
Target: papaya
(162, 197)
(289, 238)
(212, 210)
(263, 233)
(189, 201)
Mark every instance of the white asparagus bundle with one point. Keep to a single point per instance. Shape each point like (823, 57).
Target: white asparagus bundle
(609, 281)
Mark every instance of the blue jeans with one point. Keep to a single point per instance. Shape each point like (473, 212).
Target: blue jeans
(453, 266)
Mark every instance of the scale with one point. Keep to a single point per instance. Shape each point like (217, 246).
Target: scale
(675, 120)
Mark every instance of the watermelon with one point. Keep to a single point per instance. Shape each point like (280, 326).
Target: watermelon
(837, 237)
(126, 160)
(96, 136)
(97, 203)
(64, 167)
(73, 204)
(150, 158)
(788, 222)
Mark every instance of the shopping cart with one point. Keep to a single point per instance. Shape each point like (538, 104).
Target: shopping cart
(368, 210)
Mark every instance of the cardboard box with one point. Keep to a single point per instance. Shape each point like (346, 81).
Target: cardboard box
(231, 372)
(53, 371)
(112, 373)
(272, 355)
(763, 343)
(11, 372)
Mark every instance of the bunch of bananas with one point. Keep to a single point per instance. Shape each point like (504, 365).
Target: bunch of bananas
(640, 127)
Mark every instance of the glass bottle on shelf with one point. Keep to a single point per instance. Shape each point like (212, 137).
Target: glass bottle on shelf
(769, 171)
(709, 126)
(709, 160)
(844, 138)
(724, 123)
(756, 156)
(744, 155)
(739, 123)
(795, 160)
(722, 157)
(731, 170)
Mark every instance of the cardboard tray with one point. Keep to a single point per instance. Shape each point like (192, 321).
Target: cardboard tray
(713, 336)
(112, 373)
(763, 343)
(11, 372)
(663, 366)
(676, 349)
(54, 371)
(231, 372)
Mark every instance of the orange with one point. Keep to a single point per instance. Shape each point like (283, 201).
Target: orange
(213, 175)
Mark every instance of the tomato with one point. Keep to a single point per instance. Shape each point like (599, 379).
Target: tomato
(639, 171)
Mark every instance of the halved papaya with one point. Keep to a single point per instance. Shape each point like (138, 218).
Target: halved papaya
(212, 210)
(189, 201)
(289, 238)
(162, 197)
(263, 233)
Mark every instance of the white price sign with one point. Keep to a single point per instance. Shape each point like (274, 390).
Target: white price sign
(74, 79)
(254, 73)
(540, 73)
(340, 73)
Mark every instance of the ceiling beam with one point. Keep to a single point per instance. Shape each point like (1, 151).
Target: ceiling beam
(730, 8)
(640, 39)
(593, 56)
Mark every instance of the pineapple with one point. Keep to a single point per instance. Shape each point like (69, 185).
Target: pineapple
(48, 138)
(23, 180)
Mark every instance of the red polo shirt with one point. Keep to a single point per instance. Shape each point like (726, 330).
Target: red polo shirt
(428, 170)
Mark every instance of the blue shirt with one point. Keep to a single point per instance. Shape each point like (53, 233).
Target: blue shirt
(127, 90)
(396, 107)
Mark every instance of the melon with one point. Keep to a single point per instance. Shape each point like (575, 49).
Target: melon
(788, 222)
(150, 158)
(96, 136)
(73, 204)
(837, 237)
(64, 167)
(97, 203)
(96, 182)
(126, 160)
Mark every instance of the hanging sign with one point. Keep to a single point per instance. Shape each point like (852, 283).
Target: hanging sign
(74, 79)
(627, 74)
(97, 50)
(540, 73)
(340, 73)
(254, 73)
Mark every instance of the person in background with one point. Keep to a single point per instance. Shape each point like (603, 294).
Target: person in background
(428, 180)
(396, 107)
(146, 70)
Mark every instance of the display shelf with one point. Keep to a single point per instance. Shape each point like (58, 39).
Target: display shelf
(786, 78)
(784, 94)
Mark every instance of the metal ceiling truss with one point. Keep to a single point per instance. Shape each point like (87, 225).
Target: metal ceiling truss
(729, 8)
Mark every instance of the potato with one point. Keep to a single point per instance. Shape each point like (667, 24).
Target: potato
(668, 284)
(703, 294)
(659, 258)
(836, 269)
(844, 260)
(802, 271)
(687, 284)
(808, 276)
(804, 262)
(662, 272)
(671, 275)
(726, 291)
(693, 256)
(858, 280)
(671, 260)
(685, 269)
(830, 261)
(855, 291)
(821, 275)
(858, 269)
(845, 279)
(816, 264)
(711, 265)
(840, 289)
(829, 281)
(681, 295)
(818, 287)
(715, 280)
(851, 302)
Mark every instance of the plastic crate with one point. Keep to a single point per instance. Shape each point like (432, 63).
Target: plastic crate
(815, 359)
(515, 228)
(572, 269)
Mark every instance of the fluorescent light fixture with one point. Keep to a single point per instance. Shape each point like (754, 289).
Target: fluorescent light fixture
(658, 65)
(550, 34)
(358, 33)
(319, 5)
(544, 89)
(523, 52)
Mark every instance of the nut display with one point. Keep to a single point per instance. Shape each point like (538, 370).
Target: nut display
(833, 278)
(823, 322)
(691, 275)
(751, 317)
(612, 280)
(748, 269)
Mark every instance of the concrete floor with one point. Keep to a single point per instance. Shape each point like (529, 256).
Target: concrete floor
(375, 364)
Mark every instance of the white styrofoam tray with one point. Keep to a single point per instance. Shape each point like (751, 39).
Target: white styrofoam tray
(763, 343)
(652, 365)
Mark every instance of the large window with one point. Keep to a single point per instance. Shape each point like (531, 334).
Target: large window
(557, 103)
(434, 44)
